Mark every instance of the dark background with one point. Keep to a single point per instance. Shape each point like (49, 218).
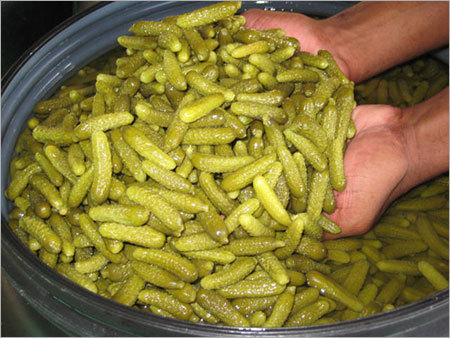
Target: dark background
(25, 22)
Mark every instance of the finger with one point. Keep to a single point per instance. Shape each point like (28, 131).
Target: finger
(370, 115)
(327, 236)
(351, 220)
(292, 23)
(356, 112)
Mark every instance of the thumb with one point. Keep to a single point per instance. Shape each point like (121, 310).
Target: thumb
(259, 19)
(303, 28)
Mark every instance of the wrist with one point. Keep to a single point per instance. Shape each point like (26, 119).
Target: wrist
(336, 40)
(410, 136)
(371, 37)
(426, 137)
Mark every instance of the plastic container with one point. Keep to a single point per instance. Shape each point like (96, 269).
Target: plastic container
(71, 308)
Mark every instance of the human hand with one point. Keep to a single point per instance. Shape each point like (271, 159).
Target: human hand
(375, 161)
(393, 150)
(312, 34)
(376, 164)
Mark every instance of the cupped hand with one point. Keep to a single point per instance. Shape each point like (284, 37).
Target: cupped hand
(376, 164)
(296, 25)
(312, 34)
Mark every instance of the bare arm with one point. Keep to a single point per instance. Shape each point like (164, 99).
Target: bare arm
(427, 138)
(374, 36)
(366, 38)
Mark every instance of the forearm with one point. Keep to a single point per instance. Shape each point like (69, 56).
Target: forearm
(373, 36)
(427, 138)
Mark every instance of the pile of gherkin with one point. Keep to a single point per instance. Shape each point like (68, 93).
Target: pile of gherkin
(405, 85)
(186, 174)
